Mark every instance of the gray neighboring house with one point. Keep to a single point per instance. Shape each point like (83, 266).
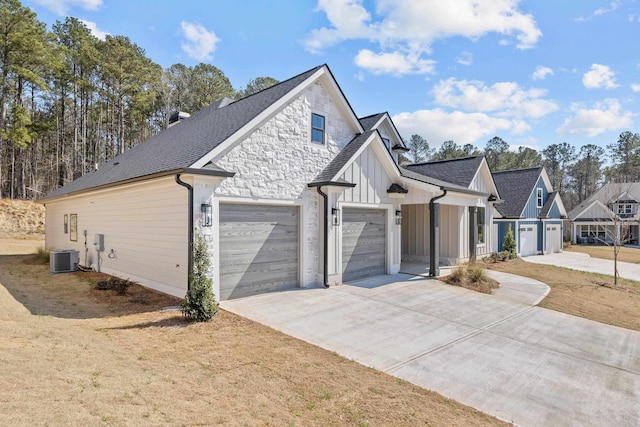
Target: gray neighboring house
(288, 187)
(532, 208)
(610, 213)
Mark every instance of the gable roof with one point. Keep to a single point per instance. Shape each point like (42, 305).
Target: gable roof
(180, 146)
(455, 171)
(369, 122)
(605, 194)
(515, 188)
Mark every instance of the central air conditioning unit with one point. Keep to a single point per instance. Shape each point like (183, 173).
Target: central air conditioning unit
(64, 261)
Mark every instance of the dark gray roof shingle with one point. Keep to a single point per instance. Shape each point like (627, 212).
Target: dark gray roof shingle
(456, 171)
(434, 181)
(329, 173)
(515, 188)
(185, 143)
(368, 122)
(544, 212)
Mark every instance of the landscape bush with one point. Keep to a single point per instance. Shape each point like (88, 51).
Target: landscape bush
(199, 304)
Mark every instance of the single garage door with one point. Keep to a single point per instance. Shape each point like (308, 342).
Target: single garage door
(363, 243)
(554, 238)
(258, 249)
(528, 239)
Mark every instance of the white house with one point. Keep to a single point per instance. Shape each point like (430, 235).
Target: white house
(610, 213)
(289, 189)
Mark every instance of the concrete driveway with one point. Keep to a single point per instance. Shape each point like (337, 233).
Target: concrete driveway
(521, 363)
(583, 262)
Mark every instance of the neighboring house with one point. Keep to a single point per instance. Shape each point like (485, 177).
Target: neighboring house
(611, 213)
(288, 187)
(533, 210)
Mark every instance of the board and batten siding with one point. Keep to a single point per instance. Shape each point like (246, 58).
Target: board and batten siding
(370, 178)
(145, 224)
(531, 209)
(416, 232)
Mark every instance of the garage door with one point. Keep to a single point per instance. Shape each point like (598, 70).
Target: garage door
(554, 238)
(528, 240)
(363, 243)
(258, 249)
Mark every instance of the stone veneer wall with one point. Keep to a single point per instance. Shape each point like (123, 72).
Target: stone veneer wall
(278, 160)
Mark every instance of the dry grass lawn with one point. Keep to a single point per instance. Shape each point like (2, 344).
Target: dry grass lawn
(588, 295)
(72, 355)
(626, 254)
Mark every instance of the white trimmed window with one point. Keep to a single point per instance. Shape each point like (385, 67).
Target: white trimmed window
(539, 197)
(317, 128)
(387, 143)
(625, 208)
(481, 226)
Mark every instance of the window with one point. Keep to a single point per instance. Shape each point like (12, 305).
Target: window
(539, 197)
(66, 223)
(317, 128)
(387, 143)
(73, 228)
(481, 225)
(624, 208)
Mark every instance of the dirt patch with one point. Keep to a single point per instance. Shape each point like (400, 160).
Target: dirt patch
(74, 355)
(588, 295)
(21, 218)
(626, 254)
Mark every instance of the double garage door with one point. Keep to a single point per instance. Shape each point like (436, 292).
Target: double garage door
(363, 243)
(258, 249)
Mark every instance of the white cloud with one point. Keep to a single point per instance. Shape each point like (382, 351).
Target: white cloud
(635, 87)
(93, 27)
(409, 28)
(392, 63)
(602, 117)
(465, 58)
(200, 43)
(542, 73)
(506, 99)
(61, 7)
(600, 76)
(599, 12)
(438, 125)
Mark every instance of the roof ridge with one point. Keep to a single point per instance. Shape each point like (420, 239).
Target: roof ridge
(374, 114)
(518, 170)
(431, 162)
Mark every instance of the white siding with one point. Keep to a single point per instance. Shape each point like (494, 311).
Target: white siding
(144, 224)
(370, 177)
(595, 211)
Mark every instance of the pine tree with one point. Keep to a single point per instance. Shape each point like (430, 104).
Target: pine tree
(509, 244)
(199, 304)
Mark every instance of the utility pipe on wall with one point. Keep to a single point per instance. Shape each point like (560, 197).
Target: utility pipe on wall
(190, 249)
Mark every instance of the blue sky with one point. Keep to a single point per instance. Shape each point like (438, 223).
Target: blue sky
(532, 72)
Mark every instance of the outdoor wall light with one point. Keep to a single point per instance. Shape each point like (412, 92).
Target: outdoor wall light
(206, 217)
(335, 216)
(398, 217)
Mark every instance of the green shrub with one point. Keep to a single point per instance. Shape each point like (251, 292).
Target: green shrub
(509, 244)
(199, 304)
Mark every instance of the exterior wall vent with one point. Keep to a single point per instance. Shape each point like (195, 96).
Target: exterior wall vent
(64, 261)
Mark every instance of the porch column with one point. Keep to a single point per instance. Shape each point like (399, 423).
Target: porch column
(473, 232)
(434, 241)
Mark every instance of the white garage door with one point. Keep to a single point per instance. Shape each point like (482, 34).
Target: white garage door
(528, 239)
(258, 249)
(554, 238)
(363, 243)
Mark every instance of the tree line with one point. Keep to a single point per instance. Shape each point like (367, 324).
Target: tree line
(575, 173)
(69, 101)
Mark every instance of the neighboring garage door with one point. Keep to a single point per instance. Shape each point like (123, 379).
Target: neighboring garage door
(528, 239)
(258, 249)
(554, 238)
(363, 243)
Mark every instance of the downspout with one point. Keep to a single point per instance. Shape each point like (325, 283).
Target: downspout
(325, 255)
(434, 242)
(190, 249)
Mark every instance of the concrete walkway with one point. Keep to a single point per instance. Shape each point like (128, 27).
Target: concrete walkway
(583, 262)
(521, 363)
(518, 288)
